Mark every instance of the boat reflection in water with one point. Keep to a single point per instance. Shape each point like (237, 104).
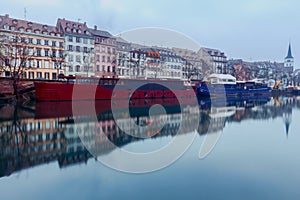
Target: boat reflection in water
(46, 131)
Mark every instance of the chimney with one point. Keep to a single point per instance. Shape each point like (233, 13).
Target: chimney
(7, 15)
(95, 27)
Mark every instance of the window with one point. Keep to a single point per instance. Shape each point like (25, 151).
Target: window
(39, 74)
(78, 48)
(70, 48)
(24, 75)
(103, 49)
(108, 50)
(30, 40)
(78, 58)
(53, 53)
(31, 75)
(98, 68)
(46, 42)
(60, 44)
(70, 68)
(103, 68)
(98, 58)
(53, 43)
(77, 68)
(70, 39)
(61, 54)
(108, 59)
(38, 41)
(77, 39)
(46, 64)
(53, 76)
(108, 68)
(38, 63)
(103, 58)
(29, 63)
(47, 75)
(71, 58)
(85, 40)
(85, 49)
(38, 52)
(113, 50)
(85, 68)
(46, 52)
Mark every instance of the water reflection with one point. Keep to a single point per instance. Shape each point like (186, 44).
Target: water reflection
(41, 133)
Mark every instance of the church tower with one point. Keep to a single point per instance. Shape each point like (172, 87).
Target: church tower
(289, 59)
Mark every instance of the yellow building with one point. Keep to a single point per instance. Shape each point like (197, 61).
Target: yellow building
(45, 46)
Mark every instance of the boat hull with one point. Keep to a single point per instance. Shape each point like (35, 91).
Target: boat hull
(62, 91)
(206, 90)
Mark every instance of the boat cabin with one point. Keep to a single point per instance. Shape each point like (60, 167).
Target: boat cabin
(220, 79)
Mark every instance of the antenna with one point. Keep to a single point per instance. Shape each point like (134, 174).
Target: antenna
(25, 13)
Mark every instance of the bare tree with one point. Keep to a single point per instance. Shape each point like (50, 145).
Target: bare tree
(88, 63)
(14, 55)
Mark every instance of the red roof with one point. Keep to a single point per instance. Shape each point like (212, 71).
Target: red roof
(26, 25)
(72, 27)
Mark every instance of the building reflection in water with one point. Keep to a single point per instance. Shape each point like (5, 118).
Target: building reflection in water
(45, 132)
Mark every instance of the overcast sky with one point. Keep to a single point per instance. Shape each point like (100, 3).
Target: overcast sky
(252, 30)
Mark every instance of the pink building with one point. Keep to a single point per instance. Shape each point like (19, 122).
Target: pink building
(104, 54)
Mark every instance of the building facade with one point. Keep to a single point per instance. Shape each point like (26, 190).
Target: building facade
(123, 55)
(172, 66)
(193, 66)
(45, 46)
(79, 48)
(215, 58)
(105, 53)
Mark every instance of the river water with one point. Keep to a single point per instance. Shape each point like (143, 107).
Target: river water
(252, 150)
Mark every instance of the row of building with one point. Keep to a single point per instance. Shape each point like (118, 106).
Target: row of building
(73, 48)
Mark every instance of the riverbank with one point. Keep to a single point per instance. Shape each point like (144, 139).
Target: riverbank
(25, 90)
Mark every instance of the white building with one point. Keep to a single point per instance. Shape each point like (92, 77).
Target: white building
(79, 48)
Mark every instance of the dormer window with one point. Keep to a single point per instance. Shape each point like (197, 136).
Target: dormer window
(29, 24)
(79, 31)
(68, 29)
(15, 21)
(45, 27)
(67, 24)
(79, 26)
(74, 30)
(74, 25)
(37, 31)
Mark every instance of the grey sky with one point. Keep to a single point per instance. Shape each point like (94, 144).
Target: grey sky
(252, 30)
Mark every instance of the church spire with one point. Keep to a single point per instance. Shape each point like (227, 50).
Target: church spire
(289, 55)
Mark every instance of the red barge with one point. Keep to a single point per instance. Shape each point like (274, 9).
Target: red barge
(83, 88)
